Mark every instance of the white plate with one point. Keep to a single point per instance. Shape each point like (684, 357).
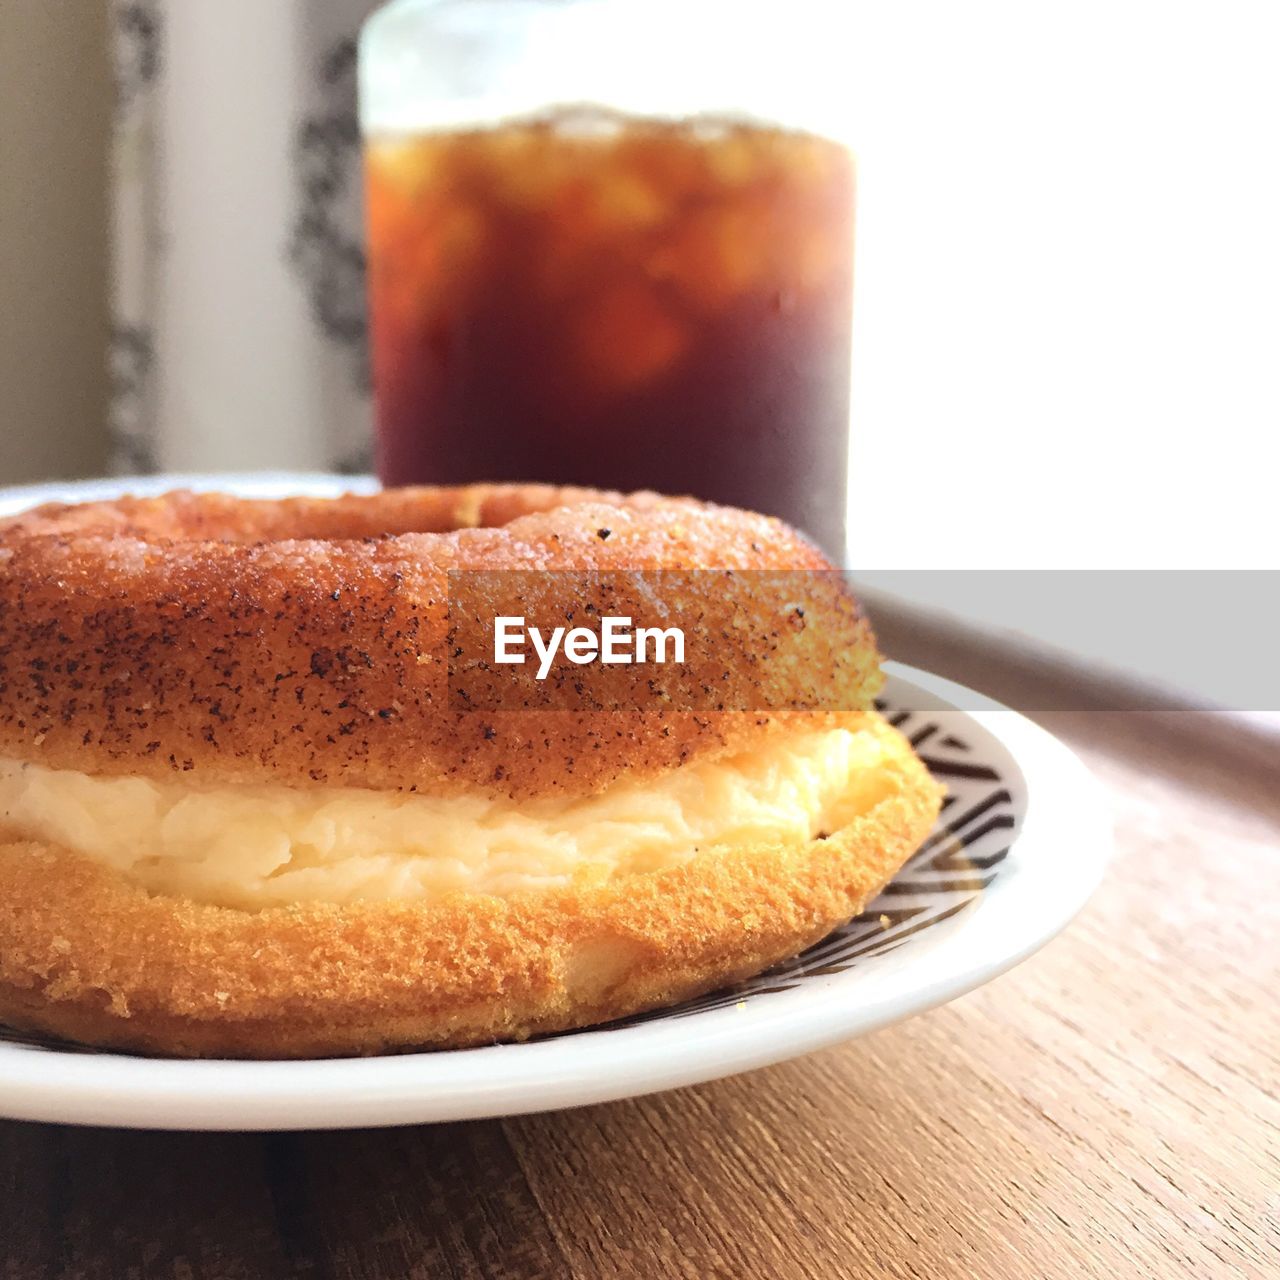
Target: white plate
(1021, 844)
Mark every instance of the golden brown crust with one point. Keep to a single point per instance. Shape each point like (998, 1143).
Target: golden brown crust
(87, 956)
(305, 641)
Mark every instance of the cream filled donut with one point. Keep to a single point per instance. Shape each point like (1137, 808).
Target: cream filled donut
(243, 811)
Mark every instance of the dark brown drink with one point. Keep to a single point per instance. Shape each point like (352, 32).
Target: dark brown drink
(587, 298)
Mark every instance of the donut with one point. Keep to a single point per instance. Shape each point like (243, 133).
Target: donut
(266, 792)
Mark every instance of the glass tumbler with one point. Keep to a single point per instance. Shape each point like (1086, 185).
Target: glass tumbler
(611, 243)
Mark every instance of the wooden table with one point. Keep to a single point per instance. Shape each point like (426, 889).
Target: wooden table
(1109, 1109)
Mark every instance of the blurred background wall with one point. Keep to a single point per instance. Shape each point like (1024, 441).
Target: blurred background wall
(1068, 272)
(55, 123)
(238, 300)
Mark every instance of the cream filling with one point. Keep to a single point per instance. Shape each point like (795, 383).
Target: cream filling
(259, 846)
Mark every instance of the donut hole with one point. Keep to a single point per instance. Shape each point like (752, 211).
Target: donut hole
(385, 515)
(216, 517)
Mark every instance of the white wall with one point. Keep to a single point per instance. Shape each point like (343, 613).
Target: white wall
(55, 115)
(1067, 331)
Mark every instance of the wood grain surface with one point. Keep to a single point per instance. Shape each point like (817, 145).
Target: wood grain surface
(1109, 1109)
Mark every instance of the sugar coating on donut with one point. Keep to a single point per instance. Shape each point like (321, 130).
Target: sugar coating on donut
(301, 642)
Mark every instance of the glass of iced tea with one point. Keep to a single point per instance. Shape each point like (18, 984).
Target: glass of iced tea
(575, 278)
